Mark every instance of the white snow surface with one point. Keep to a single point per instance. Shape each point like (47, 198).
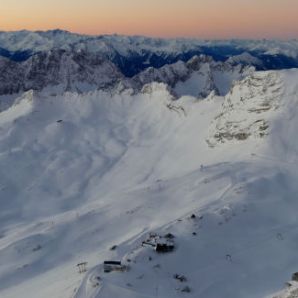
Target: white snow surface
(121, 166)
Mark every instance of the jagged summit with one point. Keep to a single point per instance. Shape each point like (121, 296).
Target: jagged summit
(62, 70)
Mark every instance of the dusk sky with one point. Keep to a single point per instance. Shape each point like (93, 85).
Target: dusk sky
(166, 18)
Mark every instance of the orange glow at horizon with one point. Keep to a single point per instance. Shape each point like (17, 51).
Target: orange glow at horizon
(164, 18)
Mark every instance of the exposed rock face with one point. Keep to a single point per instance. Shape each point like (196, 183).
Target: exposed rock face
(198, 77)
(63, 70)
(59, 61)
(81, 71)
(246, 108)
(291, 290)
(169, 74)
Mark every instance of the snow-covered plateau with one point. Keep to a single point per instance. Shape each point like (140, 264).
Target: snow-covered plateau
(112, 174)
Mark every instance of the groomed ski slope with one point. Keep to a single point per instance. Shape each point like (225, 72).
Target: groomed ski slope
(119, 166)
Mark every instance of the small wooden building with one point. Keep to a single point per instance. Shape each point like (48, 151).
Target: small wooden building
(161, 244)
(148, 244)
(164, 247)
(110, 266)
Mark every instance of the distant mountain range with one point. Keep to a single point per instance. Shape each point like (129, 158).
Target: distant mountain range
(132, 54)
(73, 62)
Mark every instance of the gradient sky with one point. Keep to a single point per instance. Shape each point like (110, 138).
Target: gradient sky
(166, 18)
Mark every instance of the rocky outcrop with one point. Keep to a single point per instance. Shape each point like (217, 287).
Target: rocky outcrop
(206, 75)
(58, 70)
(168, 74)
(246, 109)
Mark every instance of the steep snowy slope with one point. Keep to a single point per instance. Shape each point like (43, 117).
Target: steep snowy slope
(81, 173)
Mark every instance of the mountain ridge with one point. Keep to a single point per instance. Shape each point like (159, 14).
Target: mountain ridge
(132, 54)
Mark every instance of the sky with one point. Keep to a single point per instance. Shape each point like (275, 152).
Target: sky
(163, 18)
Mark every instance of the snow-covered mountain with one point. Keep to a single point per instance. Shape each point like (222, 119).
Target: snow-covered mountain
(58, 70)
(106, 154)
(245, 59)
(61, 70)
(132, 54)
(87, 177)
(198, 77)
(69, 61)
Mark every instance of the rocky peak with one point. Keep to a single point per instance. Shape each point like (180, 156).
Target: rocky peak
(246, 109)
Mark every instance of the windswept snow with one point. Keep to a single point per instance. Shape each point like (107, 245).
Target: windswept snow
(81, 173)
